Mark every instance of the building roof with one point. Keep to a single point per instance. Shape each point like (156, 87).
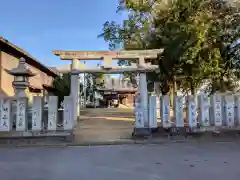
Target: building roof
(55, 70)
(14, 50)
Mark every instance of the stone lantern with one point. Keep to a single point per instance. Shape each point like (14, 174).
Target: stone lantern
(21, 78)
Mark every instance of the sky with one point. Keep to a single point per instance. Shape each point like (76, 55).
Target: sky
(39, 27)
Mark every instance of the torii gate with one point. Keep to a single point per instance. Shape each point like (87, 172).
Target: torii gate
(139, 56)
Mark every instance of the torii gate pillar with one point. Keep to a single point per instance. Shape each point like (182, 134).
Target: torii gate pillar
(143, 127)
(75, 87)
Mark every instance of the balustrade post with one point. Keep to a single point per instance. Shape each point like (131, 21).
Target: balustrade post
(203, 114)
(216, 110)
(22, 114)
(5, 112)
(152, 113)
(178, 112)
(67, 114)
(237, 109)
(165, 112)
(52, 113)
(191, 112)
(37, 113)
(139, 122)
(228, 110)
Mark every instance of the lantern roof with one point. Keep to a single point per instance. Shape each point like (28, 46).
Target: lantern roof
(21, 70)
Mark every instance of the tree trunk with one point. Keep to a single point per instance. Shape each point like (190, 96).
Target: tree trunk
(222, 84)
(165, 88)
(173, 90)
(157, 88)
(174, 85)
(171, 97)
(192, 88)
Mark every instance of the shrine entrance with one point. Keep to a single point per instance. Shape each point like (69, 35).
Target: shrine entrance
(137, 56)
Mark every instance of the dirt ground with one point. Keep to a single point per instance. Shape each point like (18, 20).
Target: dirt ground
(105, 124)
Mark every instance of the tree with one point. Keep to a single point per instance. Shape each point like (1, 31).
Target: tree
(196, 36)
(226, 19)
(62, 84)
(92, 82)
(97, 79)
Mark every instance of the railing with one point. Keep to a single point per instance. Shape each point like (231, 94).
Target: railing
(17, 118)
(220, 111)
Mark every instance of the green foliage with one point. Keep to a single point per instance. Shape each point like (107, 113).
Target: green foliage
(92, 82)
(97, 79)
(197, 37)
(62, 84)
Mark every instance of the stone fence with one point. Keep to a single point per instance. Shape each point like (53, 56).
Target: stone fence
(201, 113)
(16, 117)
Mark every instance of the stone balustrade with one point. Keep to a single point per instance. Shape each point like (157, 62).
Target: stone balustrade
(204, 113)
(15, 116)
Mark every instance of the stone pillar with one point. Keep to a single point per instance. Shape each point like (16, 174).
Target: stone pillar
(203, 105)
(75, 90)
(178, 112)
(139, 123)
(67, 114)
(21, 119)
(228, 110)
(144, 97)
(157, 93)
(37, 113)
(158, 107)
(165, 112)
(5, 115)
(216, 110)
(191, 111)
(153, 113)
(237, 109)
(52, 113)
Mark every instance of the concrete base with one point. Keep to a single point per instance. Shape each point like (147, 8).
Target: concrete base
(30, 137)
(163, 132)
(141, 132)
(177, 131)
(153, 130)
